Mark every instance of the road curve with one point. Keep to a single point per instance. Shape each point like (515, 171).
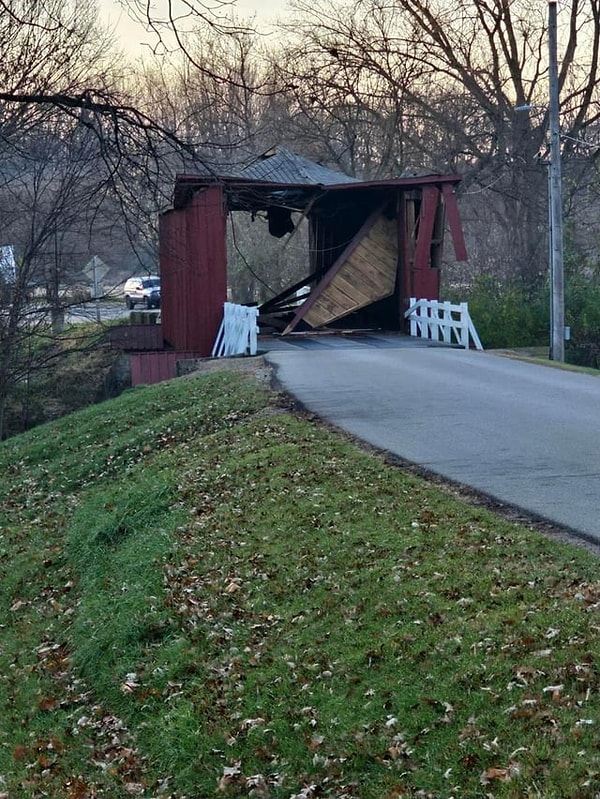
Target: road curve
(525, 434)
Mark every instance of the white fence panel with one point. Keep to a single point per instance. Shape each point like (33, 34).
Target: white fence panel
(442, 321)
(238, 334)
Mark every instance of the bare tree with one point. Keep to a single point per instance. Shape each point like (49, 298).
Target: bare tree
(437, 86)
(57, 58)
(233, 121)
(78, 137)
(71, 147)
(345, 104)
(52, 195)
(173, 28)
(225, 120)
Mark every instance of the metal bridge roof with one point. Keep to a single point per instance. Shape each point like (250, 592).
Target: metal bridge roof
(282, 166)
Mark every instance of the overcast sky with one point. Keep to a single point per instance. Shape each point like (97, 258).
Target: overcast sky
(263, 8)
(130, 36)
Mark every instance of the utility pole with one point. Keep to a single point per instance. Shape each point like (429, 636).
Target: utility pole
(557, 281)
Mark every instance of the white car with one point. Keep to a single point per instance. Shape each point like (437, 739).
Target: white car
(142, 290)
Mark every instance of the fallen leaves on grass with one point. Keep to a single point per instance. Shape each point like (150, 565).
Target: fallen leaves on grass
(339, 631)
(502, 774)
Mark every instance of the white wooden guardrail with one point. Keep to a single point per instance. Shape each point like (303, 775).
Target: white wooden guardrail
(442, 321)
(238, 332)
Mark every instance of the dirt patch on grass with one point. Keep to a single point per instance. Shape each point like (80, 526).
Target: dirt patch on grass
(252, 364)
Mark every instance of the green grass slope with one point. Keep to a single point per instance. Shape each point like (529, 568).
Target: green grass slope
(203, 595)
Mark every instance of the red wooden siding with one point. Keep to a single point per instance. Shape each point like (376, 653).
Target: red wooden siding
(425, 280)
(154, 367)
(136, 337)
(429, 204)
(193, 268)
(456, 231)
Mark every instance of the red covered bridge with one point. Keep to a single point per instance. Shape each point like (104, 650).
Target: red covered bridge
(372, 246)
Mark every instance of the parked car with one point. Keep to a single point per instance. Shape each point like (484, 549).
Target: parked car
(142, 290)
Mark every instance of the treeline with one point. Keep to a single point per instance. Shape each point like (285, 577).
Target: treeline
(90, 138)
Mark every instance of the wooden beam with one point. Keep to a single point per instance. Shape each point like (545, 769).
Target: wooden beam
(429, 204)
(284, 295)
(456, 231)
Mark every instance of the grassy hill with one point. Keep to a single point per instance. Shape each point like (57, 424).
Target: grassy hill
(204, 595)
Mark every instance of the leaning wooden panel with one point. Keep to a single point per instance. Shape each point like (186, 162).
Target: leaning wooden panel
(458, 239)
(362, 275)
(429, 206)
(368, 275)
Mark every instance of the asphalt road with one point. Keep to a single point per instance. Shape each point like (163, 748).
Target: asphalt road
(524, 434)
(93, 312)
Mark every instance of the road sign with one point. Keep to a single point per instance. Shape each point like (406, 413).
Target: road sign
(96, 270)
